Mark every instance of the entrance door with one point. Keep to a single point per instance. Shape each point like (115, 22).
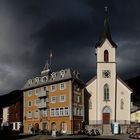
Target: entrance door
(106, 115)
(106, 118)
(44, 126)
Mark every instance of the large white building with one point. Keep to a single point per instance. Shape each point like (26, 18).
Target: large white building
(109, 96)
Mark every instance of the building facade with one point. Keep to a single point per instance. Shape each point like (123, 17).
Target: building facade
(135, 117)
(12, 113)
(16, 115)
(109, 99)
(54, 100)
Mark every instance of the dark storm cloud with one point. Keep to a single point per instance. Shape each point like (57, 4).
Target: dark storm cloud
(70, 28)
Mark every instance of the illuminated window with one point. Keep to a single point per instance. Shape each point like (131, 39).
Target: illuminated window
(66, 111)
(61, 112)
(53, 88)
(36, 114)
(53, 99)
(62, 98)
(52, 112)
(29, 114)
(62, 86)
(57, 112)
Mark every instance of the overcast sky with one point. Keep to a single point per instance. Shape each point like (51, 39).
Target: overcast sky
(70, 28)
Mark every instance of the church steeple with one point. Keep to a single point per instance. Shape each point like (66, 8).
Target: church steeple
(106, 32)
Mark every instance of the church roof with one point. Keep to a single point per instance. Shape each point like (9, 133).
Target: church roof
(124, 83)
(91, 80)
(105, 33)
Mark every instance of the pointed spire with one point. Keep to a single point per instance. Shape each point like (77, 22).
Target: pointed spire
(46, 67)
(106, 31)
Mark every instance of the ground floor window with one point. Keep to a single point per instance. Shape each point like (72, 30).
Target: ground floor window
(30, 128)
(45, 125)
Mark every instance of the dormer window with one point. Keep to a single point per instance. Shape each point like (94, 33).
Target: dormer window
(44, 78)
(53, 75)
(29, 82)
(36, 80)
(106, 56)
(62, 73)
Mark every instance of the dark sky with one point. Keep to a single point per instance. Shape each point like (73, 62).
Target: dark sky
(70, 28)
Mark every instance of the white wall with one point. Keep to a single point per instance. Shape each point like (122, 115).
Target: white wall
(123, 93)
(5, 115)
(91, 88)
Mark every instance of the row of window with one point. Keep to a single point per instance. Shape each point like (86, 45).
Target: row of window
(30, 103)
(53, 99)
(121, 104)
(62, 86)
(54, 112)
(61, 98)
(106, 96)
(78, 111)
(36, 114)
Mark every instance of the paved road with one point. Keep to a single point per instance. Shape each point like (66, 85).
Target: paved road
(113, 137)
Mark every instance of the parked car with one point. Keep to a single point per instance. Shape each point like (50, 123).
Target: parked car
(135, 135)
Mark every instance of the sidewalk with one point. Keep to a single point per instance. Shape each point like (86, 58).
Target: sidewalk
(114, 137)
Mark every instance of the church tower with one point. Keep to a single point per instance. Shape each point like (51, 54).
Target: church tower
(106, 74)
(109, 96)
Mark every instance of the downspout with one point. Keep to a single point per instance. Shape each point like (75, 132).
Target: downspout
(115, 119)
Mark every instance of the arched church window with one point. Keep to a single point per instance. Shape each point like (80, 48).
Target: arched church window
(106, 109)
(122, 104)
(106, 56)
(106, 92)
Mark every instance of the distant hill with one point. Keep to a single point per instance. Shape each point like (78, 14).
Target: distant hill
(134, 84)
(10, 98)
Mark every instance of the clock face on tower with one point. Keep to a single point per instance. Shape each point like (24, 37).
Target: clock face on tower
(106, 73)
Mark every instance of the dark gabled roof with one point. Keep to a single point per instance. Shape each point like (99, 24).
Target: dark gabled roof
(91, 80)
(105, 33)
(68, 74)
(124, 83)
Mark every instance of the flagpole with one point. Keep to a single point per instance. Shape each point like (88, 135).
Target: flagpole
(50, 57)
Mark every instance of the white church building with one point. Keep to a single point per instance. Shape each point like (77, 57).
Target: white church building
(109, 96)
